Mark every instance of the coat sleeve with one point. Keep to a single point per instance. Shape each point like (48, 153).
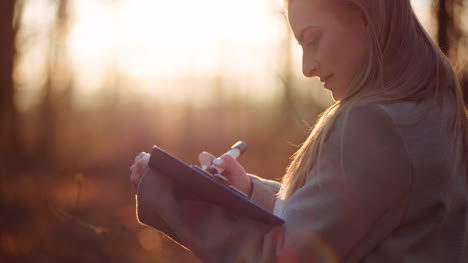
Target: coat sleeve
(264, 192)
(352, 199)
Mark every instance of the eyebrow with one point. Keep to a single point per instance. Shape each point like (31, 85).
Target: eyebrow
(300, 39)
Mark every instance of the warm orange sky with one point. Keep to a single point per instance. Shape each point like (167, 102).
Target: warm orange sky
(168, 48)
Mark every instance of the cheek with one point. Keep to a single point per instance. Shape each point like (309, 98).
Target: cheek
(344, 54)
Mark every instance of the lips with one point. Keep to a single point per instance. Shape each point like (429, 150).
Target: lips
(325, 81)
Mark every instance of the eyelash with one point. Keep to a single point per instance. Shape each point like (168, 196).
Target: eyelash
(314, 41)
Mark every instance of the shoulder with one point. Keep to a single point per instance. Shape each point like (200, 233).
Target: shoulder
(367, 141)
(391, 121)
(364, 122)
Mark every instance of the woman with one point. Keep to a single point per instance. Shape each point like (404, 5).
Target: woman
(381, 178)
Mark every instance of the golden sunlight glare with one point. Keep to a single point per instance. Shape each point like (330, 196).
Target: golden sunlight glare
(176, 49)
(150, 39)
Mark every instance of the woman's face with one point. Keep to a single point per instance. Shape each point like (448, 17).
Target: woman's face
(333, 36)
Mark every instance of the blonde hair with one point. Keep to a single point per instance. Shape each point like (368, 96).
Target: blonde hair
(403, 63)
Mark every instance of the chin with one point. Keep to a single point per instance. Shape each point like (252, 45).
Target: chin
(336, 97)
(337, 94)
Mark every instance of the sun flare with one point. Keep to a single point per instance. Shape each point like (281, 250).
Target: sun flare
(171, 47)
(158, 38)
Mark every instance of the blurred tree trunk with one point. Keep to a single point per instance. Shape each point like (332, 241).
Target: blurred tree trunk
(8, 113)
(449, 26)
(56, 78)
(450, 33)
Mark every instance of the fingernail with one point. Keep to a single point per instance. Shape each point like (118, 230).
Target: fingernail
(218, 161)
(204, 167)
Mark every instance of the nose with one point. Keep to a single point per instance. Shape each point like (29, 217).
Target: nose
(309, 67)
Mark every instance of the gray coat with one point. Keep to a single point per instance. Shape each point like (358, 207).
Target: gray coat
(382, 191)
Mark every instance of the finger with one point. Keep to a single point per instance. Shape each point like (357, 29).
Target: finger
(135, 178)
(206, 159)
(139, 167)
(142, 159)
(229, 164)
(140, 155)
(136, 167)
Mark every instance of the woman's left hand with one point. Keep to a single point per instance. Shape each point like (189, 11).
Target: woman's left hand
(138, 168)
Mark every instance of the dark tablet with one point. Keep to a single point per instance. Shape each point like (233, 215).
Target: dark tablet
(208, 188)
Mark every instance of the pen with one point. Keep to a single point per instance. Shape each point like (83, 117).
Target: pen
(236, 150)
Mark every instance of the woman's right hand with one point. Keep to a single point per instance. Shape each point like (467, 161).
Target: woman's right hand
(233, 170)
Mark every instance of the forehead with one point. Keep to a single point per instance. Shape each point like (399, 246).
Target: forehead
(308, 8)
(305, 13)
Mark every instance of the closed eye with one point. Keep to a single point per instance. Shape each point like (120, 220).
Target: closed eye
(313, 41)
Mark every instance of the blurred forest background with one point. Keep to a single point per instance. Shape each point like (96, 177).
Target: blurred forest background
(87, 85)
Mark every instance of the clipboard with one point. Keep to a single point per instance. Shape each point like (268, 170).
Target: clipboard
(208, 189)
